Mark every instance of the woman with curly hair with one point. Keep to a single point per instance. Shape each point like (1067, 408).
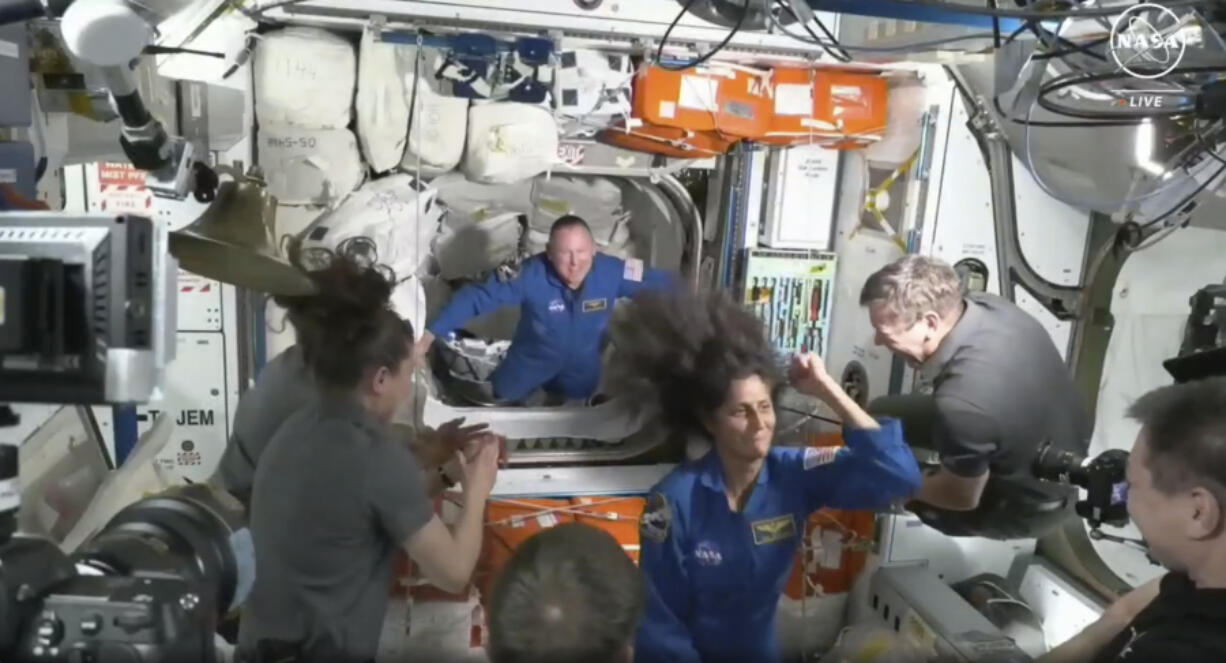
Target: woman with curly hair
(719, 533)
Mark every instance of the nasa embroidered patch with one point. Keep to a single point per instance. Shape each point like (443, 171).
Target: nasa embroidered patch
(818, 456)
(557, 306)
(708, 554)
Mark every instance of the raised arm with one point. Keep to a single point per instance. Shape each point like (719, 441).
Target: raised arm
(875, 467)
(663, 636)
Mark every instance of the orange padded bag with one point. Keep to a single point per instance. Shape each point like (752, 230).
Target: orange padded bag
(618, 516)
(730, 101)
(853, 104)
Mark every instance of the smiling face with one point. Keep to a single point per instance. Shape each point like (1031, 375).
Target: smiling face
(743, 426)
(915, 342)
(571, 251)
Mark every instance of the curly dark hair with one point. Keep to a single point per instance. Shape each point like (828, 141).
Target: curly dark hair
(680, 352)
(347, 327)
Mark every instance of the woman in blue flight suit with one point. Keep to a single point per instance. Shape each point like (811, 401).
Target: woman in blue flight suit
(719, 534)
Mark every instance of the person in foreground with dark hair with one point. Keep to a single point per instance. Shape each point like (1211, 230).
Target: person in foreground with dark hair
(1177, 499)
(569, 593)
(335, 496)
(566, 295)
(718, 535)
(285, 385)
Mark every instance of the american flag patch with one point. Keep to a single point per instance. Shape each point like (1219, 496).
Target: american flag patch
(818, 456)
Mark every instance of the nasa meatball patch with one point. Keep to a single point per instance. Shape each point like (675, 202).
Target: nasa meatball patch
(818, 456)
(656, 519)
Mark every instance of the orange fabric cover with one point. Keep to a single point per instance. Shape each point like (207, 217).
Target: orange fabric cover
(728, 101)
(854, 527)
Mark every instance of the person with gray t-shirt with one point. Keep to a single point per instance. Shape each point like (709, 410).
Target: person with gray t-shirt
(284, 386)
(335, 495)
(1000, 392)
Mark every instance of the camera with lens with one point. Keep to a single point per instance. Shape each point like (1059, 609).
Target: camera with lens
(149, 587)
(1103, 478)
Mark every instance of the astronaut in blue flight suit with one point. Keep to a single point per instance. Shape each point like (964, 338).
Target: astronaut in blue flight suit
(566, 296)
(718, 535)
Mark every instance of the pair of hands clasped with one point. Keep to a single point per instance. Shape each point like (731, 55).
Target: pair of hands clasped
(475, 452)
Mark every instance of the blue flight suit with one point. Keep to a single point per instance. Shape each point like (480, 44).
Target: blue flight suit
(714, 576)
(557, 342)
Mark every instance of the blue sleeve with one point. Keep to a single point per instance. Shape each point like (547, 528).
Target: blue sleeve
(474, 300)
(663, 636)
(651, 279)
(873, 469)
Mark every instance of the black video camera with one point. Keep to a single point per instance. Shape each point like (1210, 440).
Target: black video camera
(1102, 477)
(149, 587)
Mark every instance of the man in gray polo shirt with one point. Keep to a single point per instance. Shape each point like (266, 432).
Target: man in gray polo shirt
(1000, 392)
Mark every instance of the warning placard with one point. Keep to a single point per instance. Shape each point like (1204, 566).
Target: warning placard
(121, 188)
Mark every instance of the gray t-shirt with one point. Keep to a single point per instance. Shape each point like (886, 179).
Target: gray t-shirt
(334, 499)
(1001, 390)
(283, 387)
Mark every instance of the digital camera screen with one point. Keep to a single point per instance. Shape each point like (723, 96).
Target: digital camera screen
(1119, 493)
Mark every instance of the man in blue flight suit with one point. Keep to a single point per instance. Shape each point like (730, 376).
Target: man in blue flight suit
(566, 295)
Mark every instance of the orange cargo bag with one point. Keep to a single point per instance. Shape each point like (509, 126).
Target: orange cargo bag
(853, 105)
(618, 516)
(729, 101)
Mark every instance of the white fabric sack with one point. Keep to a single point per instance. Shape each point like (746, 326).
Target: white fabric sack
(309, 166)
(477, 201)
(409, 302)
(436, 124)
(397, 214)
(509, 142)
(597, 200)
(475, 247)
(304, 77)
(591, 89)
(381, 107)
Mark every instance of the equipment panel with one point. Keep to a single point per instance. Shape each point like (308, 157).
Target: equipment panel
(791, 292)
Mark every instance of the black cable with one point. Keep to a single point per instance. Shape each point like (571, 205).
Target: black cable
(995, 26)
(1061, 125)
(1209, 149)
(811, 415)
(1077, 78)
(834, 43)
(1185, 201)
(705, 56)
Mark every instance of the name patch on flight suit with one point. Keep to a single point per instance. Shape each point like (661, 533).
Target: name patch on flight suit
(656, 518)
(773, 530)
(593, 305)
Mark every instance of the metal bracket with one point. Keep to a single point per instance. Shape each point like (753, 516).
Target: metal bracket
(1064, 302)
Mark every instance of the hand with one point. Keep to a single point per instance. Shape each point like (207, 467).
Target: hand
(478, 473)
(808, 375)
(421, 347)
(454, 436)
